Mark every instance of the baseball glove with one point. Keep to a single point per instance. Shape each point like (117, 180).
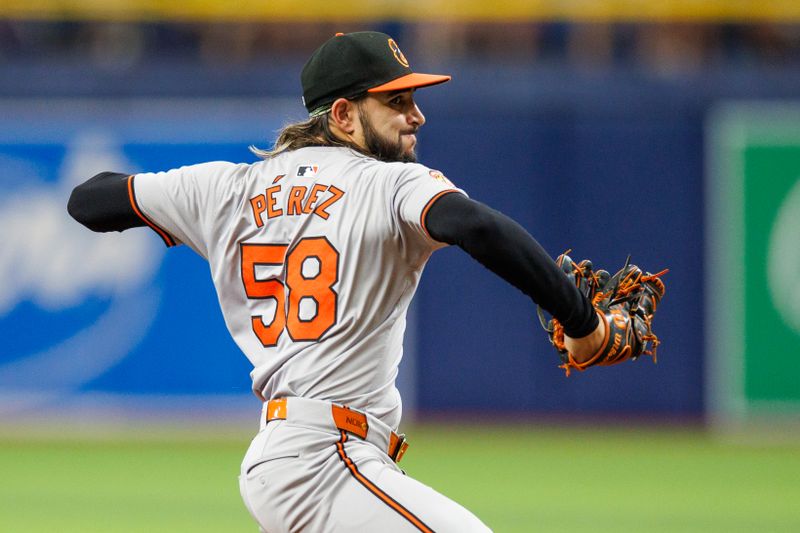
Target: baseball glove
(626, 301)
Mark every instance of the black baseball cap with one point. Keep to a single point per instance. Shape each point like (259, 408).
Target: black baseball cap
(351, 64)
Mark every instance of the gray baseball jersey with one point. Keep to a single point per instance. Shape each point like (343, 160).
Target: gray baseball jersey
(315, 255)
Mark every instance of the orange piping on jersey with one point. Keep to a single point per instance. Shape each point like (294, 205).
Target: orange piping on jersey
(337, 195)
(428, 206)
(168, 240)
(370, 486)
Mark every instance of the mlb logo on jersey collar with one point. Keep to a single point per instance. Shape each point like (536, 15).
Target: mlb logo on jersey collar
(307, 171)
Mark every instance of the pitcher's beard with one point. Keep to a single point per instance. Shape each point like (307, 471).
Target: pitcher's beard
(385, 149)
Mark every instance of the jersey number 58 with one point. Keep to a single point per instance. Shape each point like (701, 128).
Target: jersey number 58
(312, 269)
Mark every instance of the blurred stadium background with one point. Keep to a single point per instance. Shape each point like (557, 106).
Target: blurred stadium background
(667, 130)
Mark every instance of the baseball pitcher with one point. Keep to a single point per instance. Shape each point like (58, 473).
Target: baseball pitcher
(316, 251)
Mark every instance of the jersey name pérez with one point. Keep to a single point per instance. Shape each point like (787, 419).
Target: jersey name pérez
(299, 200)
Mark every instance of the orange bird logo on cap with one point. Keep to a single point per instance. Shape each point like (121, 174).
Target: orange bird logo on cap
(398, 55)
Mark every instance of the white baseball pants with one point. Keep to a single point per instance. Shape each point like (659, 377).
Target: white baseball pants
(302, 474)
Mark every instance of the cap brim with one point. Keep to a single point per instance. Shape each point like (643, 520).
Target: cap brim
(410, 81)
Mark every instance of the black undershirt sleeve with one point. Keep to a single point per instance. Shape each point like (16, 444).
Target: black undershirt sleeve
(505, 248)
(102, 203)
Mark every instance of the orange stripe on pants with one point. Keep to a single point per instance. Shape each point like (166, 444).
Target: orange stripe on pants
(370, 486)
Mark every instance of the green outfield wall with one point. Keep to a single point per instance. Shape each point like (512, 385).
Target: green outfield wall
(753, 267)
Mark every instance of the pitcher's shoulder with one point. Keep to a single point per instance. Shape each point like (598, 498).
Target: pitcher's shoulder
(397, 169)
